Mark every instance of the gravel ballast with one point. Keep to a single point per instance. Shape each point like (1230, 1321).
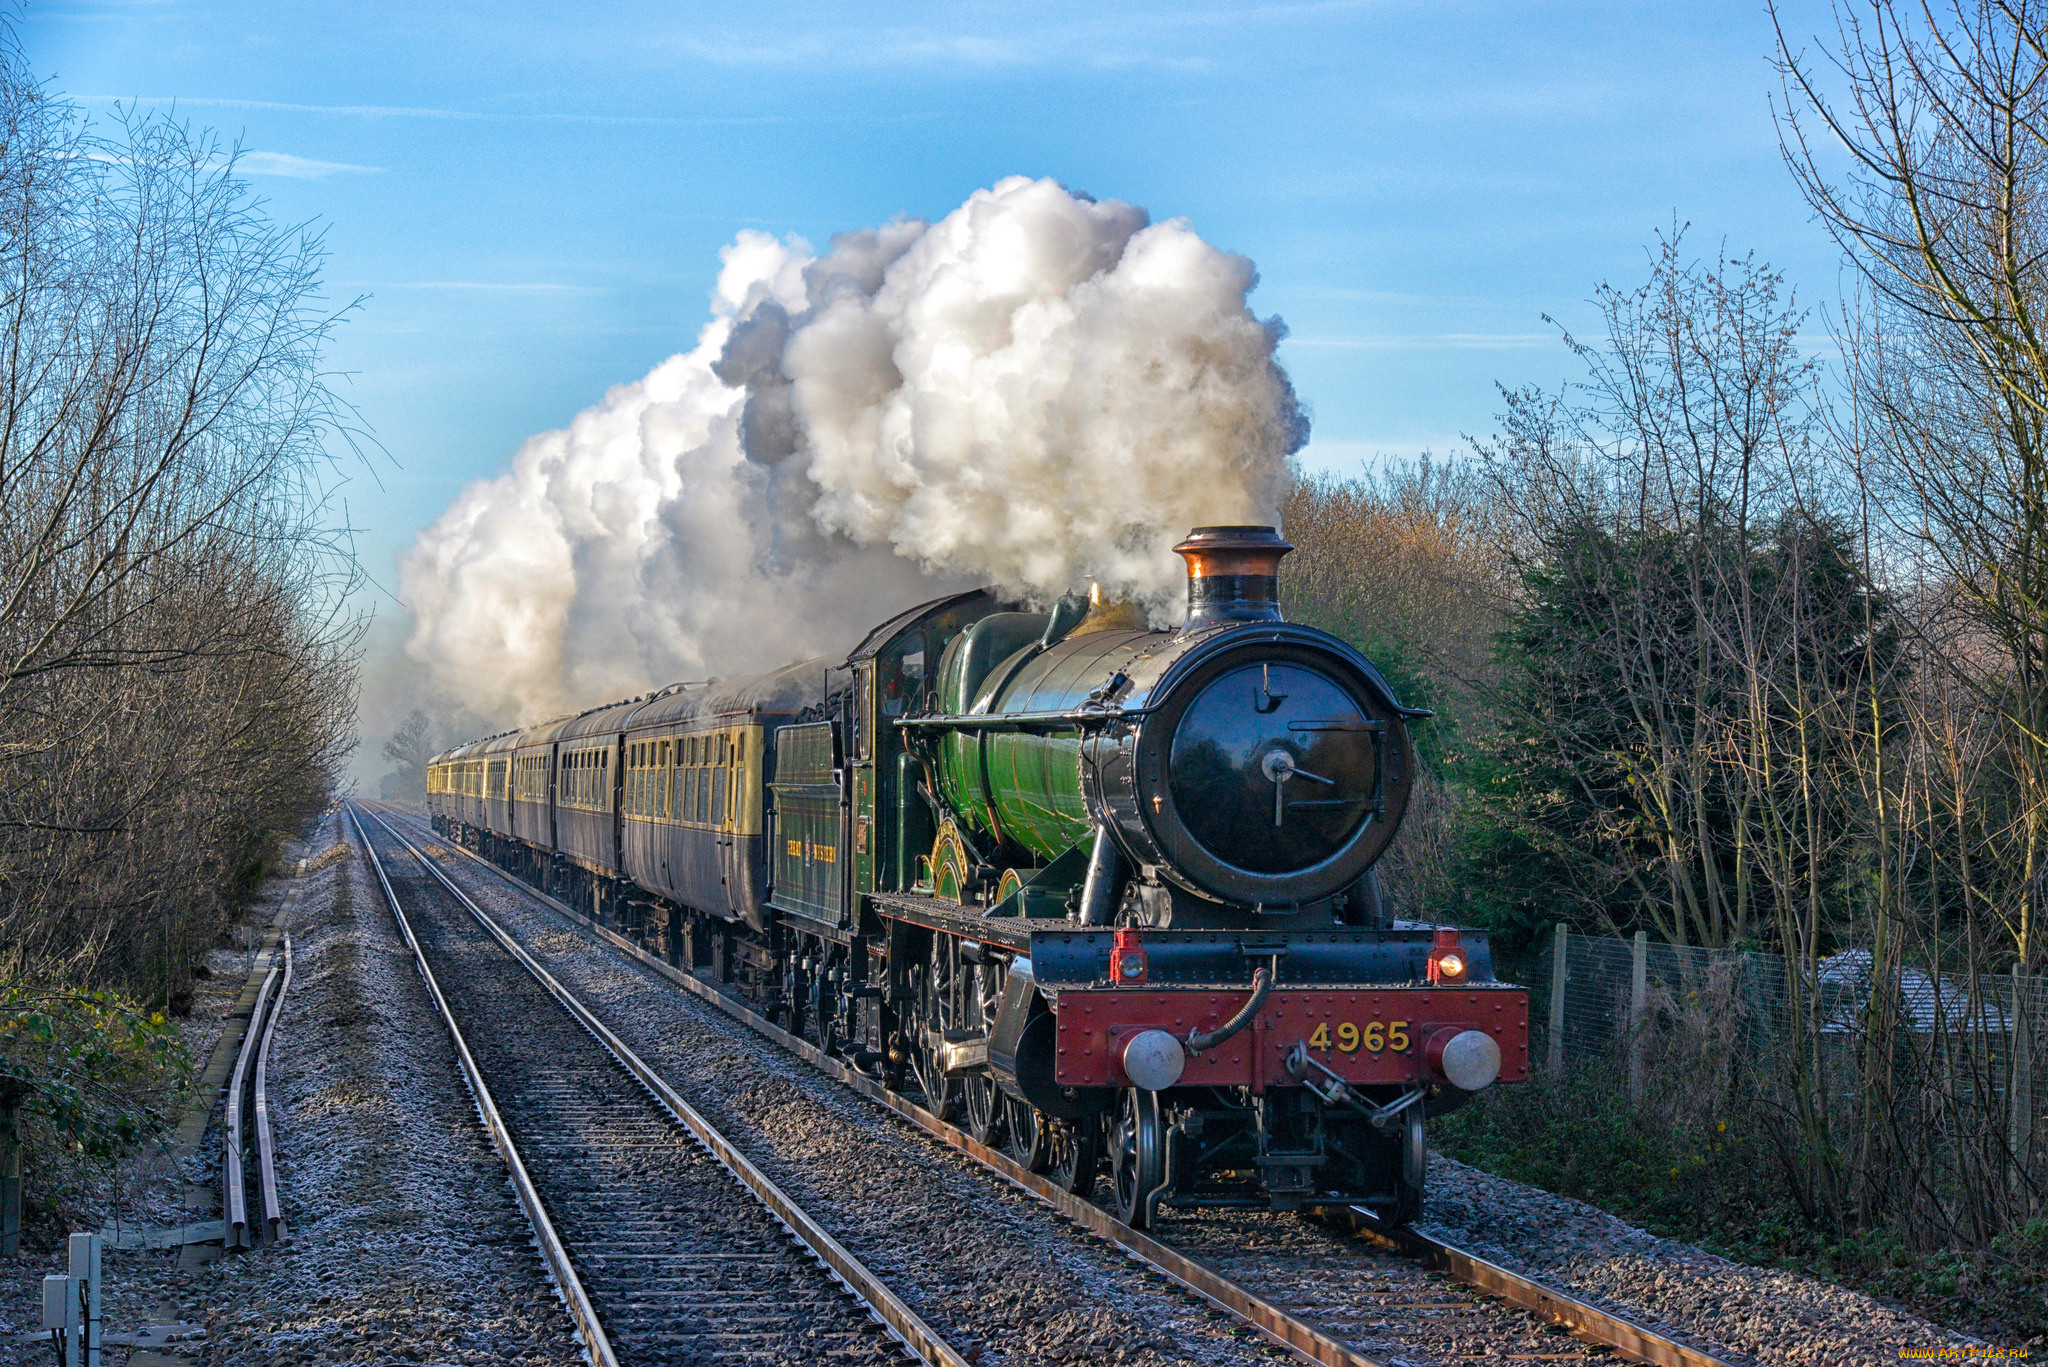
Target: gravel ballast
(1758, 1314)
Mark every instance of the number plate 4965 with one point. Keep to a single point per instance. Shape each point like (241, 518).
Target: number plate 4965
(1376, 1037)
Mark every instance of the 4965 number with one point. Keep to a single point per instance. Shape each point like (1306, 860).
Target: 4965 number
(1376, 1037)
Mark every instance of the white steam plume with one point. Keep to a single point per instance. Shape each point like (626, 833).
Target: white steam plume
(1038, 389)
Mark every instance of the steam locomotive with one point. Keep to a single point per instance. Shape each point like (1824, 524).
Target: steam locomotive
(1095, 892)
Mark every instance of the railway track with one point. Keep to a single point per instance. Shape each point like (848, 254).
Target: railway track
(1341, 1293)
(668, 1244)
(247, 1111)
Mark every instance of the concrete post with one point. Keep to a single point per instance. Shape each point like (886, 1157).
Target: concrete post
(85, 1276)
(1638, 1005)
(1557, 981)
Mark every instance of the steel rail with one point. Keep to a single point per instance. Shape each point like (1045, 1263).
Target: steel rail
(234, 1191)
(266, 1152)
(552, 1251)
(884, 1303)
(1587, 1321)
(1618, 1332)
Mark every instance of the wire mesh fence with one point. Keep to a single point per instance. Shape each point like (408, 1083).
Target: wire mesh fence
(1970, 1049)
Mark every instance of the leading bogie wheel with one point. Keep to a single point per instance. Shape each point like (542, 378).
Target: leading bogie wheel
(1414, 1165)
(1137, 1154)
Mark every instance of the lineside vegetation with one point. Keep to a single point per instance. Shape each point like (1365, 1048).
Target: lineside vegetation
(177, 668)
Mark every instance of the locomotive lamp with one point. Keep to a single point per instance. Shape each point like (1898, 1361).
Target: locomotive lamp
(1127, 959)
(1447, 956)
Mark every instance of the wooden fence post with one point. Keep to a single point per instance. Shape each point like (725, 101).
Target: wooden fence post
(1638, 993)
(1557, 977)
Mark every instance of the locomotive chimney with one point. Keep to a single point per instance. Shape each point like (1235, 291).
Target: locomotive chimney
(1233, 575)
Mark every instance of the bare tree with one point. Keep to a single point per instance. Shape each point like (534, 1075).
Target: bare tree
(410, 747)
(1667, 532)
(176, 651)
(1943, 112)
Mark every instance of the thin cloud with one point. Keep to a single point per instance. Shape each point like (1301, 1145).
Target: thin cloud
(1439, 341)
(489, 286)
(297, 168)
(394, 111)
(1113, 41)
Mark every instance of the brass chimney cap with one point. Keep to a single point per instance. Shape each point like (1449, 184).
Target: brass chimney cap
(1213, 552)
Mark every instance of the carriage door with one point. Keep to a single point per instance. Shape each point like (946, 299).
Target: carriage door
(728, 780)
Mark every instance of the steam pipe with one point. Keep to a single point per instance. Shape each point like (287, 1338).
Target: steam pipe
(1262, 983)
(1098, 894)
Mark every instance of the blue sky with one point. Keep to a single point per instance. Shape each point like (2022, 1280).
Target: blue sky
(532, 197)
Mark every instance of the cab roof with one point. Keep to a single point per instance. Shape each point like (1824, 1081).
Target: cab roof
(873, 643)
